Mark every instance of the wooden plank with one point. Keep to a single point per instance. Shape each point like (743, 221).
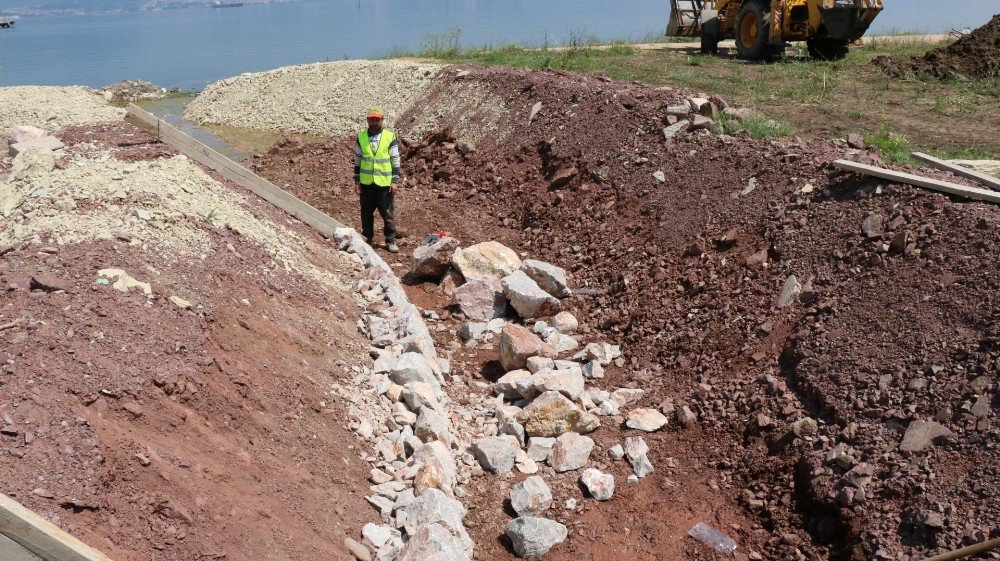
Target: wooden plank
(919, 181)
(242, 176)
(985, 179)
(40, 536)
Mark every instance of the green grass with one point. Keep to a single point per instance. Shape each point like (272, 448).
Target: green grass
(895, 147)
(757, 126)
(812, 98)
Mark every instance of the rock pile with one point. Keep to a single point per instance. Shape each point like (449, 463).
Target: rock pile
(424, 448)
(415, 476)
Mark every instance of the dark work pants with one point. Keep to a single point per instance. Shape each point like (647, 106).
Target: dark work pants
(378, 198)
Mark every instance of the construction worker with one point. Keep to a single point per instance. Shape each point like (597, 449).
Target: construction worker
(376, 177)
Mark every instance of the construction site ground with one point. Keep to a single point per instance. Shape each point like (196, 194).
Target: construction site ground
(685, 274)
(208, 431)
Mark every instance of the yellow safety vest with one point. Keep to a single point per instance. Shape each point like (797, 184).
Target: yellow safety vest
(376, 168)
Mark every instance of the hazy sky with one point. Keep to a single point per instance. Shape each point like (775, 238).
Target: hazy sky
(935, 15)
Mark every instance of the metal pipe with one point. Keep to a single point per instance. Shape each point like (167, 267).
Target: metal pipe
(982, 547)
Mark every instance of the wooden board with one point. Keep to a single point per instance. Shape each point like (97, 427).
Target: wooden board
(212, 159)
(985, 179)
(40, 536)
(920, 181)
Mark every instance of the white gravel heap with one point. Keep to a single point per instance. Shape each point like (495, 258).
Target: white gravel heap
(329, 98)
(52, 108)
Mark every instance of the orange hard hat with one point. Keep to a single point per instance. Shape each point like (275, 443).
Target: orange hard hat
(375, 113)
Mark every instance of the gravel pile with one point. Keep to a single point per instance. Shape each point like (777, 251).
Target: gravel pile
(53, 108)
(329, 98)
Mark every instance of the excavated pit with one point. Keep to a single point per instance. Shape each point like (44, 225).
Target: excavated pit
(894, 323)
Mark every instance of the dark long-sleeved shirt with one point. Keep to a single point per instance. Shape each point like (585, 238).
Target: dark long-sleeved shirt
(374, 140)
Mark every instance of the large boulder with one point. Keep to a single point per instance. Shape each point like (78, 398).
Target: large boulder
(32, 162)
(517, 344)
(507, 384)
(550, 278)
(24, 132)
(530, 497)
(432, 258)
(436, 540)
(48, 143)
(414, 367)
(551, 414)
(569, 382)
(485, 260)
(571, 451)
(496, 453)
(437, 466)
(482, 299)
(527, 297)
(534, 537)
(433, 506)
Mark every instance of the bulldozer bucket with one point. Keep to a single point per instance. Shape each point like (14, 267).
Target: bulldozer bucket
(685, 18)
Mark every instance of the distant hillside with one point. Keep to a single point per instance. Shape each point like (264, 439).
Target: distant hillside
(27, 7)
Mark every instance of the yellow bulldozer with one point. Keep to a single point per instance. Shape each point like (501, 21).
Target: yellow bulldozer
(762, 28)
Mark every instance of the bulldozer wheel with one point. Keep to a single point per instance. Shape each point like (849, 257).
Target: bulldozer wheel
(827, 49)
(753, 30)
(710, 36)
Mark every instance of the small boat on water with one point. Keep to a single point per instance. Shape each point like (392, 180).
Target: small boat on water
(6, 23)
(218, 4)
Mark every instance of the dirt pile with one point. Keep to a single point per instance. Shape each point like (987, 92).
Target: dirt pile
(976, 55)
(128, 91)
(168, 376)
(682, 250)
(52, 108)
(329, 98)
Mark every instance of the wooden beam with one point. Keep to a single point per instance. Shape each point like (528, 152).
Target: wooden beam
(42, 537)
(985, 179)
(229, 169)
(920, 181)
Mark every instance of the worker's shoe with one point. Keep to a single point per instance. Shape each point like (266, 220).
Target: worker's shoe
(391, 247)
(368, 241)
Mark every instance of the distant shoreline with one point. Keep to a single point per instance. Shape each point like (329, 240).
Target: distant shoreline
(30, 12)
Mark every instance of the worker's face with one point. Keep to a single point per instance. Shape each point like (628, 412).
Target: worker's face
(374, 123)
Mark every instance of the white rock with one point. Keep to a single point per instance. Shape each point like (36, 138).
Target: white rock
(550, 278)
(552, 414)
(593, 370)
(616, 452)
(565, 323)
(378, 535)
(539, 363)
(431, 425)
(527, 297)
(507, 384)
(530, 497)
(496, 453)
(540, 447)
(414, 367)
(571, 451)
(482, 299)
(534, 537)
(600, 485)
(485, 260)
(437, 541)
(649, 420)
(567, 382)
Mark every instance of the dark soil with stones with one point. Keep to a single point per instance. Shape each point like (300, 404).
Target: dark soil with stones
(976, 55)
(805, 406)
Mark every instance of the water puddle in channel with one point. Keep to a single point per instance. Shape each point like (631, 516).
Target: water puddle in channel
(233, 142)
